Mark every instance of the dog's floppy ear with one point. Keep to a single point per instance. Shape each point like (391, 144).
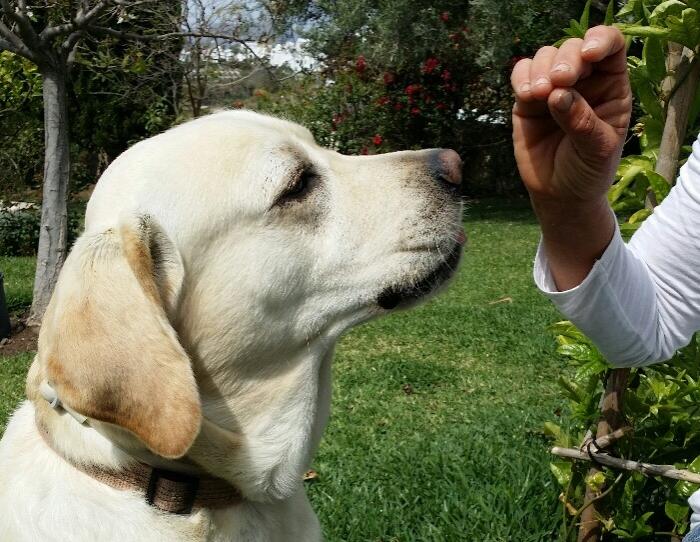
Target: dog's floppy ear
(107, 345)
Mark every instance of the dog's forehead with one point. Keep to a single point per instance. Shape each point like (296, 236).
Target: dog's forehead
(250, 124)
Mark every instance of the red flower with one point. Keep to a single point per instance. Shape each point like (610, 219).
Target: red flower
(360, 64)
(398, 106)
(383, 100)
(377, 140)
(446, 75)
(415, 111)
(440, 106)
(445, 16)
(389, 78)
(412, 89)
(430, 65)
(364, 150)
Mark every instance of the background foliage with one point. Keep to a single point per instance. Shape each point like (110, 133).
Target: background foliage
(662, 402)
(402, 74)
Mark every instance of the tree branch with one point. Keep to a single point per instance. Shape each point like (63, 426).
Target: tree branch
(9, 41)
(81, 19)
(26, 30)
(105, 31)
(667, 471)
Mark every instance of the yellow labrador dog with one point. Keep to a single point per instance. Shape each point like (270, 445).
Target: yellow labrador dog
(183, 376)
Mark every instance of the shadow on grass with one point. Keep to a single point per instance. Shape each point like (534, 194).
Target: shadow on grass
(499, 210)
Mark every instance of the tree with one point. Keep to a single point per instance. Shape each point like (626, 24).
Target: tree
(50, 36)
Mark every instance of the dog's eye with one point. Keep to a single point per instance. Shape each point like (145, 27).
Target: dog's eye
(300, 186)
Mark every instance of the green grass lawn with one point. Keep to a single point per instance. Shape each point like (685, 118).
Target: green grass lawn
(437, 412)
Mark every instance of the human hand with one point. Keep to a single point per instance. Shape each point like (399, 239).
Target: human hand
(570, 119)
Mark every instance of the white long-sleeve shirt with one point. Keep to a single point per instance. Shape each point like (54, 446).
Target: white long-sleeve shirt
(641, 300)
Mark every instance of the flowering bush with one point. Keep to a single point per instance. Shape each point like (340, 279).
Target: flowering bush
(418, 74)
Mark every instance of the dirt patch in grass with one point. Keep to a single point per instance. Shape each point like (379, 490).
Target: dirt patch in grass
(23, 339)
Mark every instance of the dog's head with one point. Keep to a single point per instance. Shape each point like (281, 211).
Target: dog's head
(229, 248)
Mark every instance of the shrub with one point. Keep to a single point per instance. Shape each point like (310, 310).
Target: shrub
(19, 230)
(661, 402)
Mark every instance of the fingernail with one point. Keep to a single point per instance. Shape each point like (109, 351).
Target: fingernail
(563, 67)
(541, 81)
(590, 45)
(525, 87)
(564, 101)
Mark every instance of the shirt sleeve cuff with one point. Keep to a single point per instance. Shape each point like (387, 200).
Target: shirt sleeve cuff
(568, 299)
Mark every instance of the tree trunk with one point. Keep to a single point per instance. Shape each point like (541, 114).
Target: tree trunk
(52, 248)
(684, 83)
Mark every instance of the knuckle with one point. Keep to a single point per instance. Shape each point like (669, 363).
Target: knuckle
(572, 43)
(585, 124)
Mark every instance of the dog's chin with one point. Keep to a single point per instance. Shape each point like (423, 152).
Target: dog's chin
(408, 295)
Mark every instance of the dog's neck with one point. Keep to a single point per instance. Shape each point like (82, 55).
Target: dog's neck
(265, 465)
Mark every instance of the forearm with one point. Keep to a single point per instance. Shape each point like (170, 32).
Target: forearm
(574, 236)
(639, 302)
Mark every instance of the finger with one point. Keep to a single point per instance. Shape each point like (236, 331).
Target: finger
(568, 66)
(589, 134)
(605, 45)
(539, 72)
(525, 104)
(520, 80)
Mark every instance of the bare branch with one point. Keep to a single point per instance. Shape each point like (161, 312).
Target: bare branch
(667, 471)
(82, 18)
(26, 30)
(9, 41)
(105, 31)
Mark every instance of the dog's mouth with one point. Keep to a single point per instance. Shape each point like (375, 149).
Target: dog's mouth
(402, 296)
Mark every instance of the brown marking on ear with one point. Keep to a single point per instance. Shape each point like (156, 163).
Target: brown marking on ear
(138, 254)
(109, 350)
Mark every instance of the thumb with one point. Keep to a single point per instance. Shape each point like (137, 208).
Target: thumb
(589, 134)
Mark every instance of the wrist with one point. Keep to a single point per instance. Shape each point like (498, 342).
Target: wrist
(575, 233)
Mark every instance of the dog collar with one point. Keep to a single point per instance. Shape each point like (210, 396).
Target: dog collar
(51, 397)
(167, 490)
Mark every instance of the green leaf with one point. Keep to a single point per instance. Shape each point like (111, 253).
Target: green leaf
(628, 229)
(592, 368)
(585, 18)
(686, 489)
(659, 185)
(633, 8)
(562, 472)
(686, 28)
(579, 352)
(610, 14)
(639, 216)
(651, 134)
(645, 31)
(664, 10)
(596, 481)
(678, 513)
(627, 179)
(654, 57)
